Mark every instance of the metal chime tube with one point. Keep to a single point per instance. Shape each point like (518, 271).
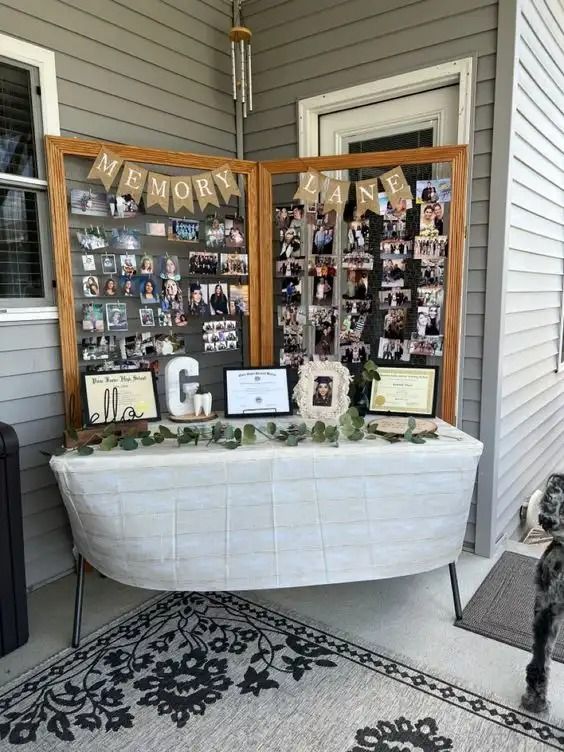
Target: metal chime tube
(243, 81)
(234, 70)
(250, 77)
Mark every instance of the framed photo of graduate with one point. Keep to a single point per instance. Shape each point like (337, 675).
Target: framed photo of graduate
(256, 391)
(119, 396)
(322, 391)
(405, 390)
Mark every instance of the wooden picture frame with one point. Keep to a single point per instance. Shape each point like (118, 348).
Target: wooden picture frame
(59, 147)
(457, 158)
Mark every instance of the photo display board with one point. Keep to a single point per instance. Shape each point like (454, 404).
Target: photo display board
(384, 284)
(141, 284)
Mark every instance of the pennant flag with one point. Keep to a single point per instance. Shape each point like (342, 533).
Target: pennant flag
(204, 189)
(309, 186)
(158, 190)
(181, 190)
(132, 181)
(225, 181)
(367, 196)
(105, 168)
(336, 195)
(396, 186)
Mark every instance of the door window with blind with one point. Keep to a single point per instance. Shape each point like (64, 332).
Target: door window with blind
(25, 278)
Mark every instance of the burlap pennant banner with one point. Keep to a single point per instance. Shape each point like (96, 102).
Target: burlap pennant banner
(367, 196)
(182, 195)
(158, 190)
(308, 189)
(336, 195)
(396, 186)
(225, 181)
(204, 189)
(105, 168)
(132, 181)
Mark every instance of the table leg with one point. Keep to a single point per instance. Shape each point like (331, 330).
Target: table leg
(78, 599)
(455, 591)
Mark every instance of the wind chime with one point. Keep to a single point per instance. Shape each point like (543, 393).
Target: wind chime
(240, 37)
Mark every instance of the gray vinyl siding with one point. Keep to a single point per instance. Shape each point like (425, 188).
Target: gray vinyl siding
(532, 408)
(136, 71)
(302, 51)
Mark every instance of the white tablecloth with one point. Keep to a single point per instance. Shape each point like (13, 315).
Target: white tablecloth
(268, 515)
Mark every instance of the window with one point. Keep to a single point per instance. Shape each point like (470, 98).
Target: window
(27, 78)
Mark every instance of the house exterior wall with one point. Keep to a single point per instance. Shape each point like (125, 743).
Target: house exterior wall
(333, 44)
(141, 72)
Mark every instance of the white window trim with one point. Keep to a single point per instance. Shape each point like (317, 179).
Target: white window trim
(44, 60)
(560, 364)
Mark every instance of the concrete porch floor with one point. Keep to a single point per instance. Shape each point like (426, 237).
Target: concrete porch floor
(409, 616)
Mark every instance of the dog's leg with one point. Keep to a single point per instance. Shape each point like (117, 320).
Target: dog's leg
(545, 630)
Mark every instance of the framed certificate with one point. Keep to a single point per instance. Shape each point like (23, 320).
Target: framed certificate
(119, 396)
(256, 391)
(405, 390)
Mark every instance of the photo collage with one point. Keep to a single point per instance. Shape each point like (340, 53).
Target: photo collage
(361, 287)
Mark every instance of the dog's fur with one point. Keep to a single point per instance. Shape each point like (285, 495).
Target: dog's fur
(549, 603)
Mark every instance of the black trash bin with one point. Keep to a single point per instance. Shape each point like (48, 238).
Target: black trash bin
(13, 601)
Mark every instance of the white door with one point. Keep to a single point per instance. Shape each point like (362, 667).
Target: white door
(426, 119)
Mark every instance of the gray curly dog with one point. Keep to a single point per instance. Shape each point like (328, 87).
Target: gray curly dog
(549, 602)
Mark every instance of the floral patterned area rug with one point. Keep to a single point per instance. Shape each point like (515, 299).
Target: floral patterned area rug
(213, 671)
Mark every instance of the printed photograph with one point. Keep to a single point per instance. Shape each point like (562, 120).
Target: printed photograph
(428, 321)
(88, 203)
(290, 268)
(358, 261)
(325, 323)
(393, 229)
(146, 265)
(171, 301)
(322, 391)
(164, 318)
(215, 232)
(292, 289)
(147, 317)
(358, 231)
(431, 219)
(393, 349)
(424, 247)
(322, 290)
(124, 239)
(429, 346)
(239, 300)
(357, 307)
(393, 273)
(124, 206)
(90, 287)
(395, 247)
(291, 315)
(116, 317)
(352, 328)
(234, 231)
(203, 263)
(293, 339)
(198, 302)
(356, 286)
(427, 191)
(99, 348)
(156, 229)
(432, 271)
(292, 360)
(92, 238)
(394, 298)
(394, 323)
(109, 264)
(128, 265)
(285, 217)
(322, 266)
(185, 230)
(323, 238)
(234, 264)
(93, 317)
(138, 345)
(110, 288)
(128, 287)
(427, 296)
(169, 268)
(148, 291)
(391, 213)
(290, 244)
(357, 352)
(218, 299)
(88, 262)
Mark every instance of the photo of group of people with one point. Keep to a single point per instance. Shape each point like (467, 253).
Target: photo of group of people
(428, 346)
(322, 266)
(324, 320)
(234, 264)
(432, 271)
(358, 260)
(220, 335)
(428, 321)
(393, 273)
(92, 238)
(395, 247)
(425, 247)
(358, 352)
(395, 323)
(202, 263)
(292, 268)
(291, 289)
(185, 230)
(394, 298)
(352, 327)
(358, 232)
(393, 349)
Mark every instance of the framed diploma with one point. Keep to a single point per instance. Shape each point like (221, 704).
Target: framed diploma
(405, 390)
(256, 391)
(119, 396)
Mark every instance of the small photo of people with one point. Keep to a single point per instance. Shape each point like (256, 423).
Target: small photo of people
(430, 296)
(358, 261)
(425, 247)
(356, 286)
(110, 288)
(282, 218)
(89, 203)
(395, 247)
(432, 219)
(218, 300)
(316, 215)
(109, 264)
(124, 239)
(292, 360)
(88, 262)
(292, 290)
(429, 191)
(234, 232)
(393, 273)
(147, 317)
(393, 349)
(92, 238)
(128, 265)
(432, 271)
(97, 348)
(215, 232)
(93, 317)
(351, 328)
(171, 301)
(390, 212)
(122, 207)
(148, 291)
(169, 268)
(429, 346)
(186, 230)
(357, 307)
(168, 344)
(323, 238)
(128, 287)
(322, 391)
(116, 317)
(198, 303)
(323, 290)
(164, 318)
(156, 229)
(290, 243)
(293, 339)
(239, 300)
(357, 352)
(90, 287)
(394, 298)
(146, 265)
(235, 264)
(394, 323)
(358, 232)
(322, 266)
(290, 268)
(203, 263)
(428, 321)
(291, 315)
(325, 339)
(393, 229)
